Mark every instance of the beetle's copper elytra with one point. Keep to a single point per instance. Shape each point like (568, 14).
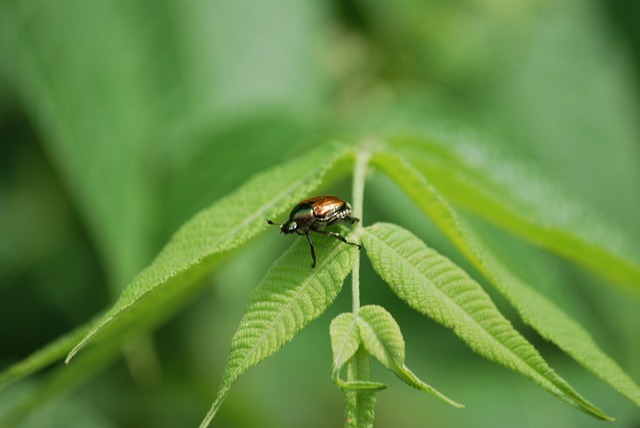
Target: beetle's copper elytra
(316, 214)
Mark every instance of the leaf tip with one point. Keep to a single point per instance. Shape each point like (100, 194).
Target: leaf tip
(71, 354)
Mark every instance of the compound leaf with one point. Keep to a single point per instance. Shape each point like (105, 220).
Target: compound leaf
(535, 309)
(436, 287)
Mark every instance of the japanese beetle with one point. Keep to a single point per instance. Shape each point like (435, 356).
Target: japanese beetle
(316, 214)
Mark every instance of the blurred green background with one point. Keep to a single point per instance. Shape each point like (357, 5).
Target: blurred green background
(120, 119)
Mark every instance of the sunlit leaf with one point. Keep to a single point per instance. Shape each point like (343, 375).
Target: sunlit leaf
(197, 246)
(542, 314)
(434, 286)
(291, 295)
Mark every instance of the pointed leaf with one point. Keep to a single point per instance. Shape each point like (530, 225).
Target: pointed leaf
(434, 286)
(381, 335)
(197, 246)
(344, 339)
(290, 296)
(535, 309)
(382, 338)
(516, 196)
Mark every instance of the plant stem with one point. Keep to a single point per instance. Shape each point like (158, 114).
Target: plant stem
(359, 178)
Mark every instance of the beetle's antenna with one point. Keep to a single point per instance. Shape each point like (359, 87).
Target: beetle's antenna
(272, 223)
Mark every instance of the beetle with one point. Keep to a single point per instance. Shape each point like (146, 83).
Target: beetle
(315, 215)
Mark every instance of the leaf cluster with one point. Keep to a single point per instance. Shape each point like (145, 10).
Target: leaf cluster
(291, 295)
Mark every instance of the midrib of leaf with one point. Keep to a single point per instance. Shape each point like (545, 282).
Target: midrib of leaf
(539, 371)
(189, 246)
(535, 309)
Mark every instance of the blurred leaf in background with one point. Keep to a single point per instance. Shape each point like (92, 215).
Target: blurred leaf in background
(120, 119)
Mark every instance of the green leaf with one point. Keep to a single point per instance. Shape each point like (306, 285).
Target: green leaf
(515, 196)
(198, 245)
(381, 335)
(345, 340)
(535, 309)
(434, 286)
(382, 338)
(291, 295)
(359, 406)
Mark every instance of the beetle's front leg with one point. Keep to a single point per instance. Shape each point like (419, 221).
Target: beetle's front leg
(312, 248)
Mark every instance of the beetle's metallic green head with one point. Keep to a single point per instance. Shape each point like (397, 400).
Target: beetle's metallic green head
(288, 227)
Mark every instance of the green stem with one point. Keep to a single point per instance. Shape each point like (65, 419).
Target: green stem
(359, 178)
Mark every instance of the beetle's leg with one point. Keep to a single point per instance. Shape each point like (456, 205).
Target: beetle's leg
(337, 236)
(312, 248)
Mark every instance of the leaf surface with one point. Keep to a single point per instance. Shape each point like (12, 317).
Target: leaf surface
(434, 286)
(345, 342)
(382, 338)
(516, 196)
(535, 309)
(344, 339)
(197, 246)
(291, 295)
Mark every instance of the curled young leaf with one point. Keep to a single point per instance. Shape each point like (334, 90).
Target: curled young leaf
(382, 338)
(344, 339)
